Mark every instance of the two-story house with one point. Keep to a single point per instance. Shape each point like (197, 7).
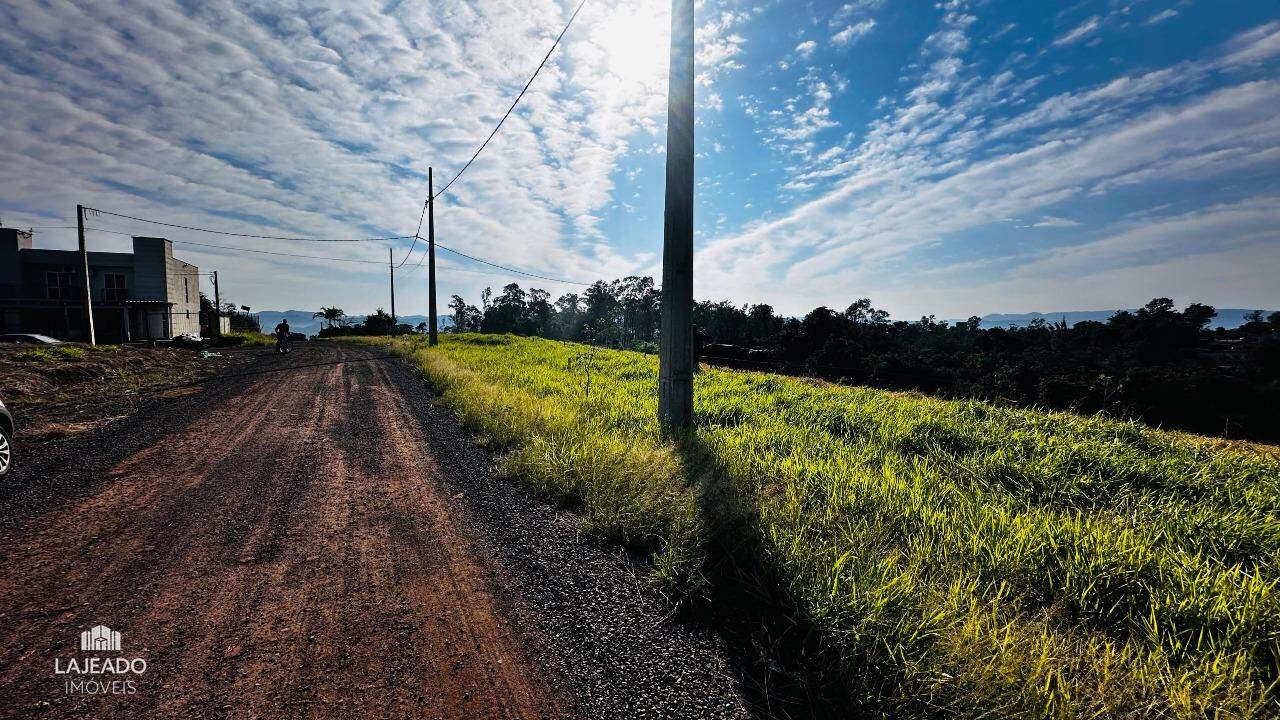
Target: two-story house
(144, 295)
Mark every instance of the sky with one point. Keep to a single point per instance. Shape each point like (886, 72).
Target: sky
(952, 158)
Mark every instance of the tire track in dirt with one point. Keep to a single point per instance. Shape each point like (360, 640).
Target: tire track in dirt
(498, 677)
(289, 554)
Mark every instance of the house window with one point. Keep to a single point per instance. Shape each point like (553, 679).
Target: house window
(115, 290)
(58, 285)
(186, 292)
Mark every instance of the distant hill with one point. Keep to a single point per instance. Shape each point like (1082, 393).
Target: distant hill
(1227, 317)
(303, 322)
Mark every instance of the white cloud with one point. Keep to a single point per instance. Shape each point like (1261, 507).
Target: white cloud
(1161, 17)
(852, 33)
(719, 45)
(806, 48)
(1254, 46)
(285, 116)
(792, 129)
(854, 13)
(1050, 221)
(1079, 32)
(1242, 223)
(932, 169)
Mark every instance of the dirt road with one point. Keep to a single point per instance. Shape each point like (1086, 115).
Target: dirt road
(285, 547)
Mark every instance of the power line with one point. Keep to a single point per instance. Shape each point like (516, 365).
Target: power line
(224, 246)
(511, 269)
(352, 260)
(76, 227)
(270, 252)
(417, 235)
(338, 259)
(220, 247)
(247, 235)
(498, 127)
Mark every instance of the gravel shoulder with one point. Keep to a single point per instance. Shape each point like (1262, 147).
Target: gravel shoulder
(311, 536)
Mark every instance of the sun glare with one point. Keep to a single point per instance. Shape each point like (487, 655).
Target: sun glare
(635, 39)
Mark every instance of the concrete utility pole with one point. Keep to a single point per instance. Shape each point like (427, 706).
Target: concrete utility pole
(675, 356)
(88, 289)
(391, 262)
(433, 338)
(217, 307)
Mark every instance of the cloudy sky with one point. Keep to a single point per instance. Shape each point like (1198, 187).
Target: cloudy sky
(949, 158)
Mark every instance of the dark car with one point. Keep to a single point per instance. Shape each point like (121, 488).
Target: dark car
(6, 440)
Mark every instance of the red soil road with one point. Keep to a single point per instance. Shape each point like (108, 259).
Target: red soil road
(288, 554)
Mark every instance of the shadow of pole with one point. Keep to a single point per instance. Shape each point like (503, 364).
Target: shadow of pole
(787, 672)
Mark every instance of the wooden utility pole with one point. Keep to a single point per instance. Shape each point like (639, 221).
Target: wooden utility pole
(88, 289)
(391, 262)
(433, 338)
(217, 307)
(675, 356)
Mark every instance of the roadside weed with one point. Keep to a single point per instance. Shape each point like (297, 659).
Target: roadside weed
(957, 558)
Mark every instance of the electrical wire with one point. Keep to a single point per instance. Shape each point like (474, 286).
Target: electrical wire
(511, 109)
(271, 252)
(77, 227)
(247, 235)
(511, 269)
(499, 266)
(369, 262)
(476, 154)
(417, 235)
(473, 258)
(220, 247)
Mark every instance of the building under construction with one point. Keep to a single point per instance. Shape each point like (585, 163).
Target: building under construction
(147, 294)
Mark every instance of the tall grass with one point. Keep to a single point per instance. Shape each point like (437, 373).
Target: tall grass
(54, 353)
(956, 558)
(247, 338)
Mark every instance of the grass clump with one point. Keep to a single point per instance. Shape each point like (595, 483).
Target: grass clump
(256, 339)
(53, 353)
(953, 558)
(628, 487)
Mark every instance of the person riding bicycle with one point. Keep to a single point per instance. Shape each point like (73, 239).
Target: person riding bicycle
(282, 334)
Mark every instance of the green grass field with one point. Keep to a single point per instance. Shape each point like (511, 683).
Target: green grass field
(255, 339)
(56, 353)
(955, 558)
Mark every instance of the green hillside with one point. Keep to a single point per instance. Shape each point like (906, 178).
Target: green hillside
(956, 558)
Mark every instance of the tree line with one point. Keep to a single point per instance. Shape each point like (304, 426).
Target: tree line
(337, 323)
(1158, 364)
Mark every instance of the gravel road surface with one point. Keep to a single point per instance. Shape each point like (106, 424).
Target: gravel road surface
(310, 536)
